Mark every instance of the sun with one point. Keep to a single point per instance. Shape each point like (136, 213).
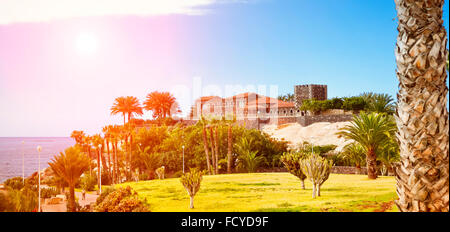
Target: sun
(86, 44)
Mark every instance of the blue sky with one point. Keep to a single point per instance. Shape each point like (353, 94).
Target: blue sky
(348, 45)
(52, 83)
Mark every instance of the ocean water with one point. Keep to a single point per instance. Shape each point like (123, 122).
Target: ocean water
(12, 148)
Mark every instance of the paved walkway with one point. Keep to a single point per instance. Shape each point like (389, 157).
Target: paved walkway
(90, 198)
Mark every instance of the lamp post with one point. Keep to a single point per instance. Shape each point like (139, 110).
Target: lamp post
(23, 165)
(39, 149)
(183, 157)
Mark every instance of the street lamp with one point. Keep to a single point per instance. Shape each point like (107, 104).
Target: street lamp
(183, 157)
(23, 165)
(39, 149)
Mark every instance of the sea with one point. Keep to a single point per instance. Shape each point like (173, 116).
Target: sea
(14, 150)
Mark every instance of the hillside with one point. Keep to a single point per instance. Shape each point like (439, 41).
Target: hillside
(321, 133)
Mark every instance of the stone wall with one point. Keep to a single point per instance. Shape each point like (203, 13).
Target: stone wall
(310, 119)
(348, 170)
(258, 123)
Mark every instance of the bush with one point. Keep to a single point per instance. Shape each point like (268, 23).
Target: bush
(178, 174)
(144, 176)
(317, 169)
(5, 204)
(106, 191)
(88, 182)
(15, 183)
(292, 162)
(24, 200)
(49, 192)
(191, 182)
(122, 200)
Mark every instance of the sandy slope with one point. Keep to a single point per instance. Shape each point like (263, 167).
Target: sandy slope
(321, 133)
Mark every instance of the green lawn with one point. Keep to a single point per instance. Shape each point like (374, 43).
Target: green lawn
(270, 192)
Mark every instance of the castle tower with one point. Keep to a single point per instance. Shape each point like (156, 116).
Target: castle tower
(303, 92)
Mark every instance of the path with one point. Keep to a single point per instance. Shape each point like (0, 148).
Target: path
(90, 198)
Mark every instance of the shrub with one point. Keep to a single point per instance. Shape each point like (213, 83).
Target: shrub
(88, 182)
(24, 200)
(122, 200)
(178, 174)
(144, 176)
(49, 192)
(317, 169)
(15, 183)
(5, 204)
(291, 161)
(191, 182)
(105, 192)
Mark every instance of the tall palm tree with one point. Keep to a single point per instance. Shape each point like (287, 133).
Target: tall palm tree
(108, 138)
(162, 104)
(87, 141)
(126, 106)
(205, 146)
(230, 148)
(69, 166)
(78, 136)
(97, 141)
(422, 115)
(370, 131)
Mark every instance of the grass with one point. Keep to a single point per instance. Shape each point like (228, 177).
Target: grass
(268, 192)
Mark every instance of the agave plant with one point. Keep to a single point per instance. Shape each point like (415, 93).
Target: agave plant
(191, 182)
(317, 169)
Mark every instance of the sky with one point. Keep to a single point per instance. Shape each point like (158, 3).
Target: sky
(62, 63)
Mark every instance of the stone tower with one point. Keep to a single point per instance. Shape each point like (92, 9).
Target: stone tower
(303, 92)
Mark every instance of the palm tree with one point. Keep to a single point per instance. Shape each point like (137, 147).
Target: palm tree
(370, 131)
(422, 115)
(205, 146)
(162, 104)
(230, 148)
(97, 141)
(69, 166)
(379, 103)
(108, 138)
(78, 136)
(87, 141)
(126, 106)
(355, 153)
(247, 158)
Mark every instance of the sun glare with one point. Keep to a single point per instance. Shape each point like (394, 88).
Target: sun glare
(86, 44)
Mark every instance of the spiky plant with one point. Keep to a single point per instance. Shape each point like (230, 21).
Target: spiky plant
(291, 161)
(317, 169)
(191, 182)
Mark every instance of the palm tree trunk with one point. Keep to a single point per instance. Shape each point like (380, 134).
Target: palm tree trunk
(230, 146)
(99, 174)
(71, 205)
(89, 154)
(205, 145)
(371, 163)
(217, 149)
(109, 159)
(422, 118)
(213, 155)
